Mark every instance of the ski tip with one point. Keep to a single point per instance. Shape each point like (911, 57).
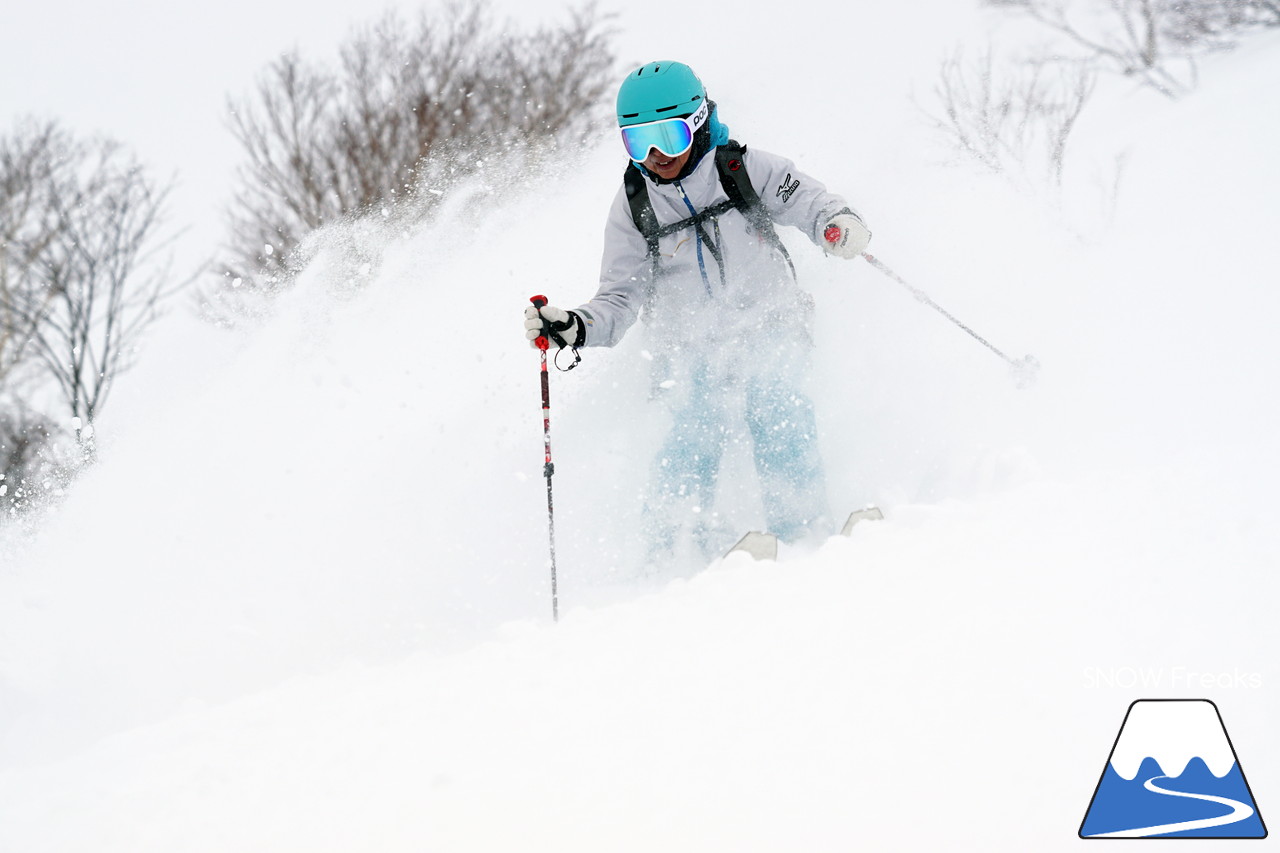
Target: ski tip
(760, 546)
(871, 513)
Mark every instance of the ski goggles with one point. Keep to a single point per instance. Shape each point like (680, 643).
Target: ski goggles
(671, 136)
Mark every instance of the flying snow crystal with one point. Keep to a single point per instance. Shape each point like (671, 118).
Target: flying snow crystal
(237, 281)
(268, 249)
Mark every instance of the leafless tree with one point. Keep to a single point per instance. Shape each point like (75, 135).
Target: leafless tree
(1125, 34)
(1155, 41)
(79, 279)
(409, 111)
(1215, 24)
(27, 226)
(1017, 119)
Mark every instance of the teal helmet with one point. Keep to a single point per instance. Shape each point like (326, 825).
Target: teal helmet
(659, 90)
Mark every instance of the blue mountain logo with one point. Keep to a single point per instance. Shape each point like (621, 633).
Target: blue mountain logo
(1173, 773)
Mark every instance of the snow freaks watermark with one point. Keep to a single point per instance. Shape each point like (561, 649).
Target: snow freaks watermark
(1180, 678)
(1173, 772)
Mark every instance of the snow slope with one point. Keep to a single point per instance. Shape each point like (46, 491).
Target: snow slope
(302, 604)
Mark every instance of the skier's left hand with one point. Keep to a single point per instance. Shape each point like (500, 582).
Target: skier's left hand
(845, 236)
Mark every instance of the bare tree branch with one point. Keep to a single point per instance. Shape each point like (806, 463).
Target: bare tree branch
(1017, 120)
(79, 284)
(409, 110)
(1148, 39)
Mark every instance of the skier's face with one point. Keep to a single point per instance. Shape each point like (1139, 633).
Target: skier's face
(663, 165)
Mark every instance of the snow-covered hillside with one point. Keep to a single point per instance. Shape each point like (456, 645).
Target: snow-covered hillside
(302, 602)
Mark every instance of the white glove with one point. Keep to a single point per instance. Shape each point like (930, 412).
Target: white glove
(846, 236)
(564, 323)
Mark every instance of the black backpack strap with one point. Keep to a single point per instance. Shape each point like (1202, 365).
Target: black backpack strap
(736, 183)
(646, 220)
(642, 213)
(737, 186)
(696, 221)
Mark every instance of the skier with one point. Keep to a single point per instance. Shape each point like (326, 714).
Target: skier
(690, 248)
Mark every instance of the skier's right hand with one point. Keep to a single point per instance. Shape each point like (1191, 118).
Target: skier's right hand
(566, 324)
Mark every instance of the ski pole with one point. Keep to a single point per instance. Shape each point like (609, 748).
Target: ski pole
(1024, 369)
(548, 468)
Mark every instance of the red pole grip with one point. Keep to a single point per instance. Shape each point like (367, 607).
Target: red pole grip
(541, 341)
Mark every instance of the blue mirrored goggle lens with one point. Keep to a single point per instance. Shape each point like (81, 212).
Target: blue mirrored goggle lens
(671, 136)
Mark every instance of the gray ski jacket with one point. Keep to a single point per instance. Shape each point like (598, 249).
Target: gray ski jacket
(688, 305)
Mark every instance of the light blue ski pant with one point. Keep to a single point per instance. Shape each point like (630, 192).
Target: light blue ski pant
(767, 397)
